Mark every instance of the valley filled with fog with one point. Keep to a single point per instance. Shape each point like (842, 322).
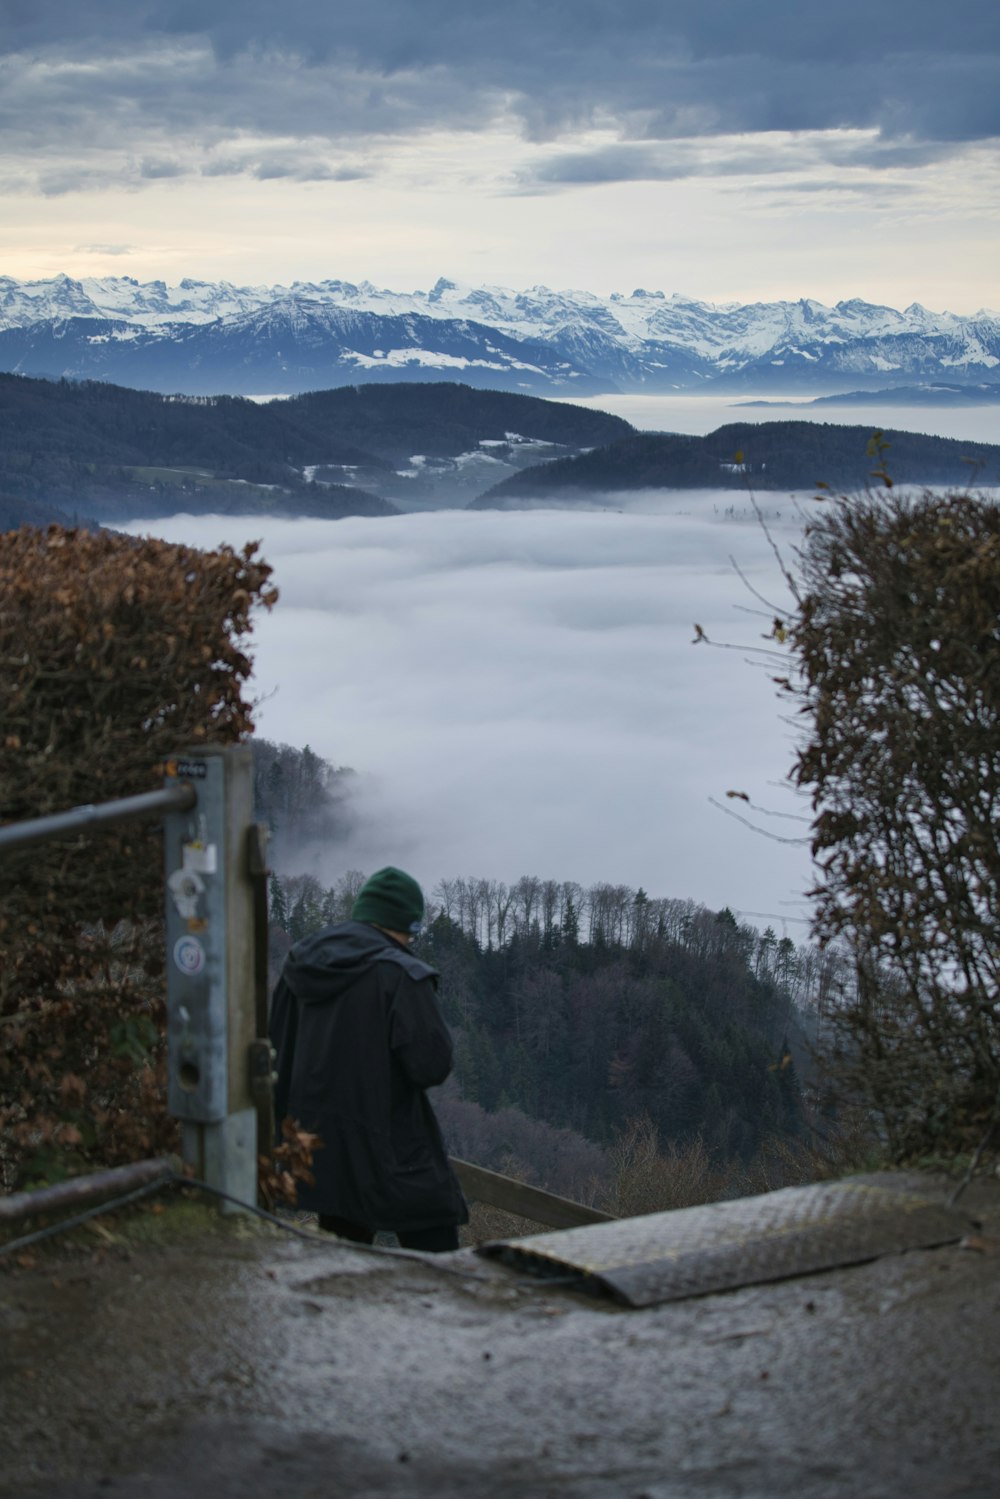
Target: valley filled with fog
(519, 692)
(700, 414)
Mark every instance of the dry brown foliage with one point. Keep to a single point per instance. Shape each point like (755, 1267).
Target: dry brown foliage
(289, 1163)
(650, 1178)
(116, 653)
(897, 641)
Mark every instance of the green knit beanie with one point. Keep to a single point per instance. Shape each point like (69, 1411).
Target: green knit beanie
(391, 899)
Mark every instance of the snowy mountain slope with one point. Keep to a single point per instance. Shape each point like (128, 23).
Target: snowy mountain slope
(288, 347)
(202, 337)
(121, 298)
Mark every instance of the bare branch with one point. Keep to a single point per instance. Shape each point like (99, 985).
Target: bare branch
(764, 832)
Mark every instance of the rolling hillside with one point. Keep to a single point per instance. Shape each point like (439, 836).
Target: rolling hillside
(769, 455)
(91, 450)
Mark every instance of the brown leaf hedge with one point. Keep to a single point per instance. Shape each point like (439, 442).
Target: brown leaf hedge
(115, 653)
(897, 643)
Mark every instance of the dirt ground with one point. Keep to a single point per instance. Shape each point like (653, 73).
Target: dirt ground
(175, 1354)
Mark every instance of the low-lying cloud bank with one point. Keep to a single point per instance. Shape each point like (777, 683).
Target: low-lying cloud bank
(520, 694)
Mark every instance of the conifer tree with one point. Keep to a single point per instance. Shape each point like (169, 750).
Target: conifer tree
(278, 905)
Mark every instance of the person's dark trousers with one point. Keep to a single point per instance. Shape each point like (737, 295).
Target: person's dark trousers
(345, 1229)
(437, 1240)
(431, 1240)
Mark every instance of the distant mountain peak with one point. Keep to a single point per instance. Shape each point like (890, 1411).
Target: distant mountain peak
(202, 336)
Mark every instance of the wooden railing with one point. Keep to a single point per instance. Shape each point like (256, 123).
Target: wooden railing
(498, 1191)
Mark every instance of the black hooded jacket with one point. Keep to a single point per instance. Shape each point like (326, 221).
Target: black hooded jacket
(359, 1037)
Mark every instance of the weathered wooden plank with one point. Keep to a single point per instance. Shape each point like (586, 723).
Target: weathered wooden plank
(480, 1185)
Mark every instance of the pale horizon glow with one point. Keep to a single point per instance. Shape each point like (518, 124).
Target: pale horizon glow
(698, 415)
(674, 237)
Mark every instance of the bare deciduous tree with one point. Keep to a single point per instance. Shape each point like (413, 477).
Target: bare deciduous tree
(897, 643)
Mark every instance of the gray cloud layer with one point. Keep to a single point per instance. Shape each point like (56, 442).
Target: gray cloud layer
(108, 72)
(519, 692)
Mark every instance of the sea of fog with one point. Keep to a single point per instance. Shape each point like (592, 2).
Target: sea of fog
(519, 692)
(700, 414)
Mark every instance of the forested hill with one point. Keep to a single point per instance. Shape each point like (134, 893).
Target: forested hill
(577, 1012)
(770, 455)
(589, 1009)
(98, 450)
(394, 421)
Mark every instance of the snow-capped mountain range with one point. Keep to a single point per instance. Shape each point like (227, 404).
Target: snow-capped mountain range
(211, 337)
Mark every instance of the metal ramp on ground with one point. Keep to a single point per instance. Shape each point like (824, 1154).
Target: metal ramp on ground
(724, 1245)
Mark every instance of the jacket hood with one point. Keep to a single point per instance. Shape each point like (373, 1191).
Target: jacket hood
(326, 963)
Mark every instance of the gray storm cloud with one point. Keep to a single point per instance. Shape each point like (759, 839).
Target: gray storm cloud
(519, 694)
(97, 74)
(653, 161)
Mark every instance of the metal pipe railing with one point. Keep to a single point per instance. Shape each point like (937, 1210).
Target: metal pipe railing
(81, 1191)
(179, 798)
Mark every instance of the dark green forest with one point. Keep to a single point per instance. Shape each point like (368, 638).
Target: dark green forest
(582, 1009)
(86, 449)
(300, 796)
(775, 455)
(588, 1008)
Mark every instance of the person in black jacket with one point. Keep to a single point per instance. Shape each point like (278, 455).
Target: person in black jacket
(359, 1039)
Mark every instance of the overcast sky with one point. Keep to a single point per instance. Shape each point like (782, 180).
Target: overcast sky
(519, 693)
(826, 148)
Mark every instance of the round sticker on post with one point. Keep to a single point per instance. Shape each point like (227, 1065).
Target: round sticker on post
(189, 956)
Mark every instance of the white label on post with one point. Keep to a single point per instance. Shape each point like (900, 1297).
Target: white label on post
(200, 858)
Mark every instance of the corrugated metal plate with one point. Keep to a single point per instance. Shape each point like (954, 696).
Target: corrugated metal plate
(692, 1251)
